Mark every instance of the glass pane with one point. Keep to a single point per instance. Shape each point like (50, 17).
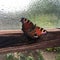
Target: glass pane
(44, 13)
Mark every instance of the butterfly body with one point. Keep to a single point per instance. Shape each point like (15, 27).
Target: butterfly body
(31, 30)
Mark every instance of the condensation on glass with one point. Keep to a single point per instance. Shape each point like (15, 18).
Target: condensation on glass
(44, 13)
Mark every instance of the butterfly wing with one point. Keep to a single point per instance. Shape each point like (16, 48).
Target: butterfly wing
(31, 29)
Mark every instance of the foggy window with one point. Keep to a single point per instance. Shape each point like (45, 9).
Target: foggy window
(44, 13)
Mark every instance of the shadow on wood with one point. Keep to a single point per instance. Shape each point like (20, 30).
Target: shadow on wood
(14, 40)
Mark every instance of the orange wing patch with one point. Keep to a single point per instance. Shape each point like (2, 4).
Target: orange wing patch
(38, 31)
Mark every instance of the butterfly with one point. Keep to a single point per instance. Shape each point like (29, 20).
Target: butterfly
(31, 30)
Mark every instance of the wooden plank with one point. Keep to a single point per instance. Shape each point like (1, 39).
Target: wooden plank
(14, 40)
(41, 45)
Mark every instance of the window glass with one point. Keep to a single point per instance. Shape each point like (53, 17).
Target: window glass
(44, 13)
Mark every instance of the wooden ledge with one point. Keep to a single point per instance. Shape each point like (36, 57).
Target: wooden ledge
(14, 40)
(41, 45)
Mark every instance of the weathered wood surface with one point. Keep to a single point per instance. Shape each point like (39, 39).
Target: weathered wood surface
(14, 40)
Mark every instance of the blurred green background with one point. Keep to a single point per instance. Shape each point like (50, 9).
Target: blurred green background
(44, 13)
(39, 54)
